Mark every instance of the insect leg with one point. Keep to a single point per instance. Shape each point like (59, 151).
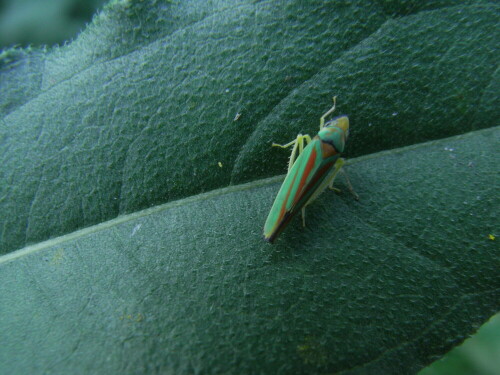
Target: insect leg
(338, 168)
(349, 185)
(322, 118)
(286, 145)
(337, 190)
(298, 144)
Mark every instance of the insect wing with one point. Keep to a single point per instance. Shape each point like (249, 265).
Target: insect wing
(305, 177)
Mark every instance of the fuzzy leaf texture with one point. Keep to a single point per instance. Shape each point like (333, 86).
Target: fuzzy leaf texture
(140, 110)
(380, 286)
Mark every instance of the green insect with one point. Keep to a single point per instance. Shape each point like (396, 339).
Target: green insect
(309, 173)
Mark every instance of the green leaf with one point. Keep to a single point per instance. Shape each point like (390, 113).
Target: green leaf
(159, 101)
(382, 285)
(142, 107)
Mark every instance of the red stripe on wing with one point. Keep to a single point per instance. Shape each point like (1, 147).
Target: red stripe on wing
(318, 177)
(307, 171)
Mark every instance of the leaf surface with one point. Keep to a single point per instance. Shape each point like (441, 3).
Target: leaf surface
(131, 166)
(383, 285)
(152, 96)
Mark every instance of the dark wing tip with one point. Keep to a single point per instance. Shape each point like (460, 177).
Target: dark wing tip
(269, 239)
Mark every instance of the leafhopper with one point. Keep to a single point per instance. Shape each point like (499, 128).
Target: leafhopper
(314, 164)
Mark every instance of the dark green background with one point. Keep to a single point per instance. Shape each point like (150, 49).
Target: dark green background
(36, 23)
(140, 109)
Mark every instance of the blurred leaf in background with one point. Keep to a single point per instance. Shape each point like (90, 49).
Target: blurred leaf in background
(43, 22)
(479, 355)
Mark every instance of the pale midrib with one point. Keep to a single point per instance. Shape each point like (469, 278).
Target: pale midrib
(202, 197)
